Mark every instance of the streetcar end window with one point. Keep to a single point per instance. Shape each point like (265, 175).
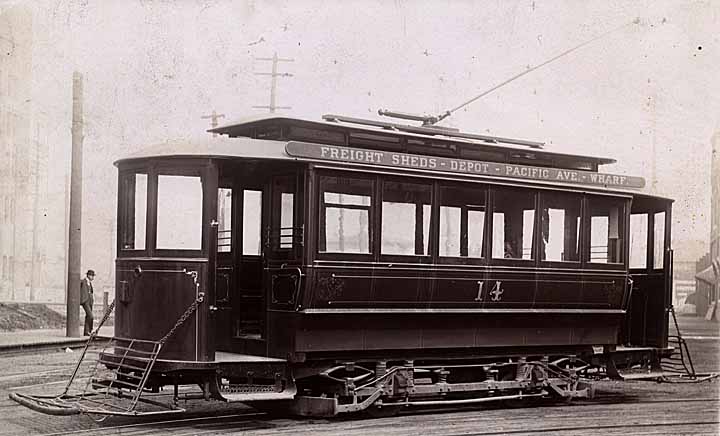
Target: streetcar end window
(179, 213)
(659, 244)
(607, 227)
(638, 240)
(133, 210)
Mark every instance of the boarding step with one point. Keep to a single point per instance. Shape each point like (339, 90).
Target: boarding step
(233, 393)
(109, 379)
(643, 374)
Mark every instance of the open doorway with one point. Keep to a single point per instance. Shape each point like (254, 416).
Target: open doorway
(257, 224)
(650, 266)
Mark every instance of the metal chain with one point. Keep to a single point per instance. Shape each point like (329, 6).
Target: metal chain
(189, 311)
(107, 314)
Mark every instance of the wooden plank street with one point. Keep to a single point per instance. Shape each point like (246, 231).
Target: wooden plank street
(619, 408)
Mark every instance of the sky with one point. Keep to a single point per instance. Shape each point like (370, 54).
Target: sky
(647, 87)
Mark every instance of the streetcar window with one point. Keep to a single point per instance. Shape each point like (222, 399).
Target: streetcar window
(179, 213)
(134, 211)
(224, 217)
(283, 207)
(560, 227)
(405, 218)
(638, 240)
(462, 221)
(513, 224)
(252, 227)
(659, 244)
(287, 200)
(345, 215)
(606, 230)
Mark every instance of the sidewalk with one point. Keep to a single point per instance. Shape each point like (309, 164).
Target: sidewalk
(26, 340)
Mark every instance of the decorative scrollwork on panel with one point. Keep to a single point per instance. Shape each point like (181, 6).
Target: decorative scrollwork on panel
(330, 288)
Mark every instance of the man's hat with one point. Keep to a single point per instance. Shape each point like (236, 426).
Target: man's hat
(90, 273)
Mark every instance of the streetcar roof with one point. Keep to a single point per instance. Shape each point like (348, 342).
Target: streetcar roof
(247, 148)
(214, 147)
(245, 127)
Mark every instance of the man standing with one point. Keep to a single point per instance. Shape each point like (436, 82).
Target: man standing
(86, 300)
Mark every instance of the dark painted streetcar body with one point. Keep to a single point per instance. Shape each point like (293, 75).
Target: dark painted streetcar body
(345, 265)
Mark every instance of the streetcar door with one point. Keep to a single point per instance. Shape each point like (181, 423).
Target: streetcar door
(239, 269)
(283, 246)
(651, 272)
(249, 303)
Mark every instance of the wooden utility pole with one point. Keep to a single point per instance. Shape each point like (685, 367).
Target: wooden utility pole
(213, 117)
(75, 222)
(273, 87)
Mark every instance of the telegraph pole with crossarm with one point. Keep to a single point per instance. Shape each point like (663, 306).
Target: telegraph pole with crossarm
(273, 87)
(213, 117)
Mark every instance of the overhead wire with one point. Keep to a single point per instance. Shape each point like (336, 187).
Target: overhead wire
(529, 70)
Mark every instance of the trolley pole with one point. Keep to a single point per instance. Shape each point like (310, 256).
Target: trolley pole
(75, 222)
(273, 86)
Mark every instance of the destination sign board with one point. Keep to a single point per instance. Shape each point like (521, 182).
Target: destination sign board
(461, 166)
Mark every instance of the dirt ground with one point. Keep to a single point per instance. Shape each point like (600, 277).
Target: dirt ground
(27, 316)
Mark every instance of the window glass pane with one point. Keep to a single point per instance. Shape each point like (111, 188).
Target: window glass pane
(347, 199)
(286, 219)
(405, 218)
(462, 221)
(513, 223)
(345, 215)
(476, 231)
(638, 240)
(606, 230)
(282, 229)
(252, 230)
(659, 244)
(134, 188)
(179, 213)
(224, 214)
(560, 219)
(450, 231)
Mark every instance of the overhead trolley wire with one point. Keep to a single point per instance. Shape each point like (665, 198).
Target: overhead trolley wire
(529, 70)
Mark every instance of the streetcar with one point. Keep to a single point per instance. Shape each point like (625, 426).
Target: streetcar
(347, 265)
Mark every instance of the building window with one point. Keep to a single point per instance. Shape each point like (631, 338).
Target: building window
(134, 210)
(345, 205)
(560, 227)
(513, 224)
(179, 213)
(606, 230)
(405, 218)
(462, 221)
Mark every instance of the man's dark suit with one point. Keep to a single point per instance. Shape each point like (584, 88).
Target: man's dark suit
(86, 302)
